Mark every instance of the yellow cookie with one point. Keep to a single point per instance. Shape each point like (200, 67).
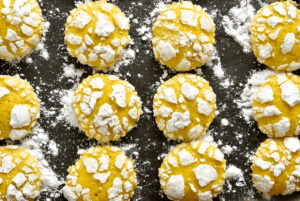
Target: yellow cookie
(21, 28)
(276, 106)
(97, 33)
(20, 176)
(184, 106)
(183, 36)
(106, 107)
(193, 172)
(101, 173)
(19, 107)
(276, 166)
(275, 33)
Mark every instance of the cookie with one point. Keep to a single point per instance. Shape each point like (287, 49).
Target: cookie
(193, 172)
(276, 166)
(97, 34)
(19, 107)
(101, 173)
(276, 106)
(183, 36)
(21, 28)
(184, 107)
(106, 107)
(20, 176)
(275, 33)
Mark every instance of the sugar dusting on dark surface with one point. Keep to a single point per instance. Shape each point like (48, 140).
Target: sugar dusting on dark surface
(54, 76)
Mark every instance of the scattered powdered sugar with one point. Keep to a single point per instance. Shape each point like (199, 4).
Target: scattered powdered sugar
(253, 83)
(41, 47)
(216, 65)
(237, 24)
(227, 149)
(127, 58)
(235, 173)
(224, 122)
(66, 113)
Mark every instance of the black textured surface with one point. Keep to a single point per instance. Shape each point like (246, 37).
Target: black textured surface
(151, 143)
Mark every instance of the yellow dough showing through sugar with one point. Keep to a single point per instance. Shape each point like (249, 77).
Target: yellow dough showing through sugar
(106, 107)
(275, 33)
(184, 107)
(21, 28)
(20, 176)
(101, 173)
(193, 172)
(97, 33)
(183, 36)
(276, 166)
(19, 107)
(276, 106)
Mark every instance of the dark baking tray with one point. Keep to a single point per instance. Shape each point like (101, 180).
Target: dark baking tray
(150, 142)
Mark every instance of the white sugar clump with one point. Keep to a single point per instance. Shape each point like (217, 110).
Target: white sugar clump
(290, 93)
(20, 116)
(237, 24)
(205, 174)
(175, 186)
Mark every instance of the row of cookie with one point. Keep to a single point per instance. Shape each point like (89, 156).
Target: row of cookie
(184, 106)
(183, 34)
(191, 171)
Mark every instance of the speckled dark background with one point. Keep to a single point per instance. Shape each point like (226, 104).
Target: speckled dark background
(150, 142)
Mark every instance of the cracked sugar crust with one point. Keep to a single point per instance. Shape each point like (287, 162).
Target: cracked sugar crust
(275, 33)
(21, 28)
(101, 173)
(20, 176)
(276, 106)
(183, 36)
(184, 107)
(97, 33)
(106, 107)
(193, 171)
(276, 166)
(19, 107)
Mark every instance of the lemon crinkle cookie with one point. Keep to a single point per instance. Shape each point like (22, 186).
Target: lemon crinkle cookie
(183, 36)
(275, 33)
(101, 173)
(276, 106)
(20, 176)
(276, 166)
(19, 107)
(97, 33)
(193, 172)
(21, 28)
(106, 107)
(184, 106)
